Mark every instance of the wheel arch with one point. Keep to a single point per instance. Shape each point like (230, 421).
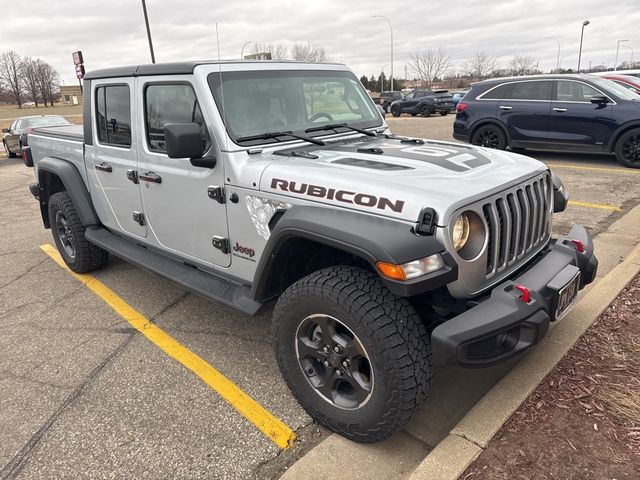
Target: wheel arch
(489, 121)
(56, 175)
(305, 239)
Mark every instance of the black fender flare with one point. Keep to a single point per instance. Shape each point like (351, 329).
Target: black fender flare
(73, 184)
(369, 237)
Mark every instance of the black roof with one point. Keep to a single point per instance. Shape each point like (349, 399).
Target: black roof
(176, 68)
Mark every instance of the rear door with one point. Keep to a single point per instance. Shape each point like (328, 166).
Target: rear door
(112, 159)
(181, 214)
(525, 111)
(575, 121)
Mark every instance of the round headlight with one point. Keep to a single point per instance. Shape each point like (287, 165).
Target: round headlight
(461, 231)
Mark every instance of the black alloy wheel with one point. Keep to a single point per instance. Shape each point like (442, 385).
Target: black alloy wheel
(425, 111)
(334, 361)
(65, 235)
(395, 111)
(628, 149)
(489, 136)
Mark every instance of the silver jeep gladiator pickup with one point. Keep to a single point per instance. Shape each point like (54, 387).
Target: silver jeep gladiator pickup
(247, 182)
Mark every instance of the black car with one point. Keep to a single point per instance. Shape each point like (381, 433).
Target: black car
(423, 102)
(15, 137)
(387, 98)
(582, 113)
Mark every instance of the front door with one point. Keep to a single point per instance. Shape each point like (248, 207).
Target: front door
(180, 212)
(575, 121)
(113, 157)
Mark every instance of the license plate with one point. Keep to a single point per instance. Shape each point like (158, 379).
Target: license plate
(567, 296)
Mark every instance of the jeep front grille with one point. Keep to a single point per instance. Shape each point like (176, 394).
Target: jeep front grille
(517, 222)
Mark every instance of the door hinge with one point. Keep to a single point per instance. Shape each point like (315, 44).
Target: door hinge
(217, 194)
(138, 217)
(221, 244)
(132, 175)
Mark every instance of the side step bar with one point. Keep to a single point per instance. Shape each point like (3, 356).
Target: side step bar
(203, 284)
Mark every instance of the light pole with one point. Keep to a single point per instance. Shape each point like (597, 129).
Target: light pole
(558, 60)
(584, 24)
(146, 22)
(242, 49)
(615, 66)
(382, 77)
(391, 28)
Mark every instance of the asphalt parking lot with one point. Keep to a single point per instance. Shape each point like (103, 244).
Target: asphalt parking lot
(82, 392)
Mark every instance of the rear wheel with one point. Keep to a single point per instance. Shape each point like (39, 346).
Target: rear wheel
(78, 253)
(395, 111)
(425, 111)
(356, 356)
(628, 148)
(444, 113)
(489, 136)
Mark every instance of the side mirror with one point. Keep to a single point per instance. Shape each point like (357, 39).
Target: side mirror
(183, 140)
(5, 130)
(599, 99)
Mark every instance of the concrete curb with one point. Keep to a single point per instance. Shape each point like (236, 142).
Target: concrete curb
(450, 458)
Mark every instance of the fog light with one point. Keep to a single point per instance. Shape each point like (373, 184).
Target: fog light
(410, 270)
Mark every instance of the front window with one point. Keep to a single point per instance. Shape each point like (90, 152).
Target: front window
(569, 91)
(258, 102)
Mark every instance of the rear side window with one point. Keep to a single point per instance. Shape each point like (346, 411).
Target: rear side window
(540, 90)
(568, 91)
(499, 92)
(113, 115)
(171, 103)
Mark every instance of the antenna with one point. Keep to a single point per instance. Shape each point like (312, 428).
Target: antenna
(224, 110)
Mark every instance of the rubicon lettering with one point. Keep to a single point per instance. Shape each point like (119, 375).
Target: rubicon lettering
(344, 196)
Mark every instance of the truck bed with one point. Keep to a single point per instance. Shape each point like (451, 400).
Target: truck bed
(65, 132)
(63, 142)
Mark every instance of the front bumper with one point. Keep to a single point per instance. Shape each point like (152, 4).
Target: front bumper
(502, 325)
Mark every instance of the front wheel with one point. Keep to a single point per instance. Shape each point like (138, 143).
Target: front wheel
(444, 113)
(425, 111)
(78, 253)
(489, 136)
(355, 356)
(9, 153)
(628, 148)
(395, 111)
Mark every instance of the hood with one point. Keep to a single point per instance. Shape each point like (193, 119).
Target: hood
(396, 178)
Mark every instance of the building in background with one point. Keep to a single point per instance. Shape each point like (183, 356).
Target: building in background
(70, 95)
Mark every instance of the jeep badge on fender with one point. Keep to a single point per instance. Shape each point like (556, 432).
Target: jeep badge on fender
(383, 255)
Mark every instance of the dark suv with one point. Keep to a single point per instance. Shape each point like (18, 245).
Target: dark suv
(387, 98)
(423, 102)
(583, 113)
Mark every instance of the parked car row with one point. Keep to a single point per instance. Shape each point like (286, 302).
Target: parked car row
(581, 113)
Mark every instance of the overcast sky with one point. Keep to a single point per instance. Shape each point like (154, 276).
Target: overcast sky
(112, 32)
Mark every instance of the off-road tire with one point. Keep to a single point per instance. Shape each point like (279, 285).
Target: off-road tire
(388, 327)
(395, 111)
(10, 154)
(627, 148)
(88, 257)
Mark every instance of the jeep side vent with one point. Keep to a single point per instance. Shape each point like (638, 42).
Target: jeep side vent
(372, 164)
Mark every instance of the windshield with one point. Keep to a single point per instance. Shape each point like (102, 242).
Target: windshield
(259, 102)
(48, 120)
(616, 89)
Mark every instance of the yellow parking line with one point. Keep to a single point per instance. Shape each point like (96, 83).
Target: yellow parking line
(623, 171)
(268, 424)
(595, 205)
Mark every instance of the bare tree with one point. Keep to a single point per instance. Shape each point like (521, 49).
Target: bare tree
(11, 75)
(522, 65)
(479, 66)
(48, 80)
(30, 79)
(310, 52)
(430, 64)
(278, 51)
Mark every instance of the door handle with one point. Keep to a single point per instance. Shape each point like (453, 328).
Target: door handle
(104, 167)
(150, 177)
(505, 107)
(559, 109)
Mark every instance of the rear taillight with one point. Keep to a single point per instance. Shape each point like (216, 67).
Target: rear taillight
(27, 157)
(461, 107)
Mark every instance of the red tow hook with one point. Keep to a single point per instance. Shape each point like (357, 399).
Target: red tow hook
(579, 245)
(526, 295)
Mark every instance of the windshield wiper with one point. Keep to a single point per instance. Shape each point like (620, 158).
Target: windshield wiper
(276, 135)
(333, 126)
